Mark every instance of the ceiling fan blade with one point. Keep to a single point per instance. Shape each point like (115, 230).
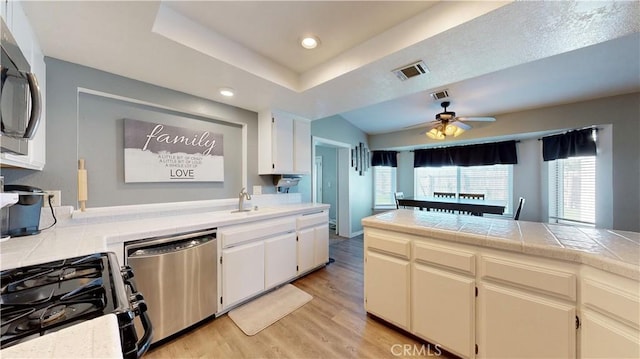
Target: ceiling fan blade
(462, 125)
(420, 125)
(479, 119)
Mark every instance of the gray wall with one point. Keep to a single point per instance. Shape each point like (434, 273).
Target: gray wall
(618, 170)
(329, 177)
(338, 129)
(85, 126)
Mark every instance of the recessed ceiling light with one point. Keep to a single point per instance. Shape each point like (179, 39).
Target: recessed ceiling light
(309, 42)
(226, 92)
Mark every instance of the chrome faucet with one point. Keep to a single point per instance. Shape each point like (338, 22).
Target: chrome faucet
(241, 197)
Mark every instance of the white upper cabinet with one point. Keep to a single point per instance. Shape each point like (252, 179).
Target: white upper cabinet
(284, 143)
(21, 30)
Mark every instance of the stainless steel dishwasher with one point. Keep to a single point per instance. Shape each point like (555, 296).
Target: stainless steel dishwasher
(178, 278)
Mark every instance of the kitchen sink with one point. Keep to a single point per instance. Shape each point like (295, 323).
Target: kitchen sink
(252, 211)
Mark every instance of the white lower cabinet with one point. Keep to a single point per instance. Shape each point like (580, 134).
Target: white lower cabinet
(487, 303)
(279, 259)
(526, 307)
(602, 337)
(306, 249)
(387, 274)
(443, 309)
(387, 288)
(518, 324)
(321, 244)
(258, 256)
(313, 240)
(243, 272)
(610, 316)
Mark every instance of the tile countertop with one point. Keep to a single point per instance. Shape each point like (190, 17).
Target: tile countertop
(88, 236)
(99, 338)
(614, 251)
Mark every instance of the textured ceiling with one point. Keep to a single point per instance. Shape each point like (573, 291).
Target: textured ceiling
(262, 28)
(494, 57)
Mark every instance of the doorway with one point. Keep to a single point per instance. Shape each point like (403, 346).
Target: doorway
(330, 182)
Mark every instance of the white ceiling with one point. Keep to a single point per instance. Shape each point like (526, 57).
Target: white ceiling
(493, 57)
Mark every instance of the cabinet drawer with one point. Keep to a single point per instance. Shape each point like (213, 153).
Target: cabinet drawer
(234, 235)
(445, 257)
(310, 220)
(614, 302)
(548, 281)
(399, 246)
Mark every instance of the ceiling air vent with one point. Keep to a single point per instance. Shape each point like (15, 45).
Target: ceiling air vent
(412, 70)
(439, 95)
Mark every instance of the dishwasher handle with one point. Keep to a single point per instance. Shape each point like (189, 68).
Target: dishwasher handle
(151, 250)
(193, 239)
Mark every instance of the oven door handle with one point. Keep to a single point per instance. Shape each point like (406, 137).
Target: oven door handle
(140, 309)
(144, 342)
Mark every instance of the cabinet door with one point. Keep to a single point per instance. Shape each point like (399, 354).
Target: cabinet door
(302, 146)
(306, 252)
(517, 324)
(282, 144)
(321, 243)
(386, 288)
(601, 337)
(443, 309)
(242, 272)
(279, 259)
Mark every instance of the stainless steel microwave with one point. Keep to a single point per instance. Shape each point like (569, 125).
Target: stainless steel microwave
(20, 102)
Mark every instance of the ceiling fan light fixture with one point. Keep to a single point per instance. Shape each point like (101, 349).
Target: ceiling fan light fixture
(450, 130)
(436, 133)
(458, 132)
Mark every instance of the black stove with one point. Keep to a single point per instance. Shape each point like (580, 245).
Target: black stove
(41, 299)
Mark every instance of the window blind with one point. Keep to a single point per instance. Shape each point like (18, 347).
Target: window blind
(384, 186)
(495, 182)
(573, 195)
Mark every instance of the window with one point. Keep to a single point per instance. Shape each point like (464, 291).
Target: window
(495, 182)
(572, 190)
(384, 186)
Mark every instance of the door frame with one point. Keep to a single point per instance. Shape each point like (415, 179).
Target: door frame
(343, 210)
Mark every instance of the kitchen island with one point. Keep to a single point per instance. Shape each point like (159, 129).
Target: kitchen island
(491, 287)
(108, 229)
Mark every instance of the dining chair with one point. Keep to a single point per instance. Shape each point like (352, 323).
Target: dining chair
(471, 196)
(519, 209)
(396, 196)
(444, 195)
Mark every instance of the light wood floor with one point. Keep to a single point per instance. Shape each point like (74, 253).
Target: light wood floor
(333, 324)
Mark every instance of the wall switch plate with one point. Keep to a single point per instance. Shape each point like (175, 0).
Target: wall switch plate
(257, 189)
(56, 201)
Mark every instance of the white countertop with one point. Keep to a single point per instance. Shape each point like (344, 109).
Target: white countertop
(97, 338)
(614, 251)
(90, 235)
(93, 231)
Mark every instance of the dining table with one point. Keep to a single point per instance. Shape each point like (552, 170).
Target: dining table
(475, 206)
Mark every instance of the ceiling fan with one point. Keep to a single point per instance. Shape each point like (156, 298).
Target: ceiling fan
(447, 124)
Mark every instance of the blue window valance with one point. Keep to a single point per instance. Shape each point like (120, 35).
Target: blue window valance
(471, 155)
(570, 144)
(384, 158)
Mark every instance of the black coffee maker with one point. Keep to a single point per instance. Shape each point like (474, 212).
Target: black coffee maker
(22, 218)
